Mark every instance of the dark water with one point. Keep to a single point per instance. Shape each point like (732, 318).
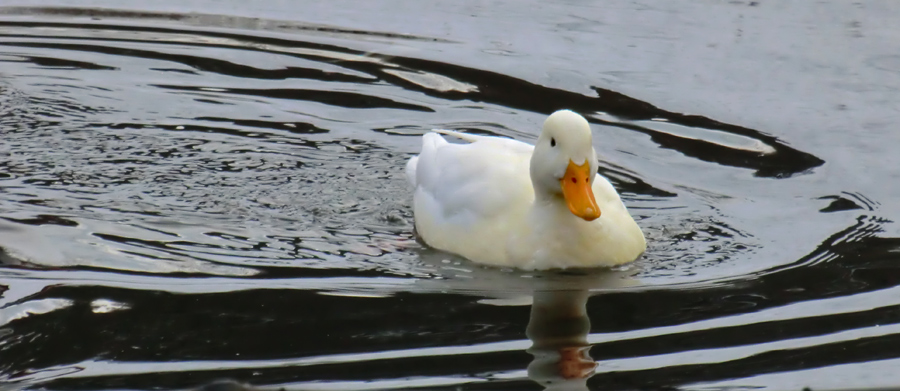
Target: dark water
(215, 190)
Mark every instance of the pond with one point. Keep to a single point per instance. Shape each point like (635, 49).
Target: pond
(194, 192)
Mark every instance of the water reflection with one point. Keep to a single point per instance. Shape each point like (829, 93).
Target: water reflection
(192, 197)
(558, 328)
(558, 323)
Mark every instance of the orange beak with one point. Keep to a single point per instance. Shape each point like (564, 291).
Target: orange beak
(575, 362)
(576, 187)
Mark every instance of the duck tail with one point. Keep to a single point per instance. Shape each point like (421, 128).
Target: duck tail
(411, 170)
(462, 136)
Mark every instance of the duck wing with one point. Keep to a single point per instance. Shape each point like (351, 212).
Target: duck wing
(468, 183)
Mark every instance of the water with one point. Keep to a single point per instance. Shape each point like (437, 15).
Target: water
(215, 190)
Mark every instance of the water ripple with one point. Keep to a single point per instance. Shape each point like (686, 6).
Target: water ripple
(191, 197)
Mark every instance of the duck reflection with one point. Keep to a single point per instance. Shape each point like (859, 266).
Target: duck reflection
(558, 328)
(558, 324)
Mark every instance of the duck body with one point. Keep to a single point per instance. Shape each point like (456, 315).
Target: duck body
(504, 202)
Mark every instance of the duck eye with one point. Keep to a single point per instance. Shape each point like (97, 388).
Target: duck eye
(552, 142)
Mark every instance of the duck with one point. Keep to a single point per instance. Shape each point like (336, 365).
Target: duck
(506, 203)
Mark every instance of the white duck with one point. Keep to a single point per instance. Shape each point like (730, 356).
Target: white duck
(503, 202)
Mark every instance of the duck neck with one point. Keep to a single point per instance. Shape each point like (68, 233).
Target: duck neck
(549, 203)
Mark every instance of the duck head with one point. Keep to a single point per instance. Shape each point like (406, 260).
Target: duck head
(564, 162)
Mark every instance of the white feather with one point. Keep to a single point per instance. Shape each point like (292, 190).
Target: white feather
(477, 200)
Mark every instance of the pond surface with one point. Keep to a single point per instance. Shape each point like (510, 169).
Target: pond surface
(207, 190)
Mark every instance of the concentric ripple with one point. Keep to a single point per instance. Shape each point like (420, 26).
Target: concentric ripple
(192, 197)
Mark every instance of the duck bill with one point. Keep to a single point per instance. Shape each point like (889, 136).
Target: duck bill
(576, 188)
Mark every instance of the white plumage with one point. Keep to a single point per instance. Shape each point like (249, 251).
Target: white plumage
(503, 202)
